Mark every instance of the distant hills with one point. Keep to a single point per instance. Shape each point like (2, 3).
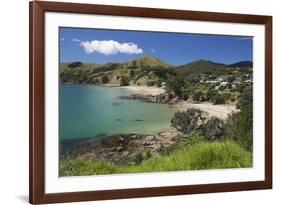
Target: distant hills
(241, 65)
(203, 66)
(199, 66)
(145, 70)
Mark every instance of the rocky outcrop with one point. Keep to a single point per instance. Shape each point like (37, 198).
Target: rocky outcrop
(164, 98)
(123, 149)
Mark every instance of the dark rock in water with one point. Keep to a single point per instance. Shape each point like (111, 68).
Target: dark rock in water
(119, 120)
(161, 98)
(138, 120)
(116, 103)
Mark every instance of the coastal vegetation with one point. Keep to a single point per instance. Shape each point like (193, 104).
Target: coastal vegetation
(197, 140)
(200, 156)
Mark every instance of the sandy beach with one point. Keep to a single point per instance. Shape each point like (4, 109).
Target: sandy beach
(145, 90)
(220, 111)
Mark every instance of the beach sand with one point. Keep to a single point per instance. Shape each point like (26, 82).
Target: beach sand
(145, 90)
(220, 111)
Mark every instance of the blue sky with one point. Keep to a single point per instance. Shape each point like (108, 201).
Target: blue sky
(103, 46)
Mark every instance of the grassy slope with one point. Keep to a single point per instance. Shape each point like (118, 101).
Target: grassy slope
(201, 156)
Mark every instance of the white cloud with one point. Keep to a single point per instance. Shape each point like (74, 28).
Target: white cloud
(152, 50)
(109, 47)
(76, 40)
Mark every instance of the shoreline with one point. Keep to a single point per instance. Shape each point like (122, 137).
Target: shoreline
(221, 111)
(141, 89)
(121, 149)
(145, 90)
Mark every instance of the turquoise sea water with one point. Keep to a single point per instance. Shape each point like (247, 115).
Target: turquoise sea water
(87, 111)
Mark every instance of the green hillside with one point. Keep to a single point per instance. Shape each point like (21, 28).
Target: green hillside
(146, 70)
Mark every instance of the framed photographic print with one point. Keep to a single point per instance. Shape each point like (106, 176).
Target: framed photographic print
(139, 102)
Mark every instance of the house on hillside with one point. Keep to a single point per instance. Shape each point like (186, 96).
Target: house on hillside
(221, 78)
(212, 81)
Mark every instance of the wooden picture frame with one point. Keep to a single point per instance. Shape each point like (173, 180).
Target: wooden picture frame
(38, 9)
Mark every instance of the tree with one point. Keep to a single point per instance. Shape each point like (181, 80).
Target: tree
(132, 73)
(188, 121)
(104, 79)
(185, 94)
(239, 127)
(231, 78)
(197, 96)
(213, 129)
(161, 73)
(124, 81)
(211, 93)
(175, 85)
(150, 83)
(218, 99)
(246, 98)
(221, 88)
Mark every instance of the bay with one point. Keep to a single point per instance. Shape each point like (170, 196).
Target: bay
(88, 111)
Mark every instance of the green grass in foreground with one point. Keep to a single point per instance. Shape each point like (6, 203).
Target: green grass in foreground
(201, 156)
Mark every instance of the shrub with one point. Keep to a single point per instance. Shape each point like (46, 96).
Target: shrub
(185, 95)
(175, 85)
(246, 98)
(188, 121)
(150, 83)
(213, 129)
(239, 127)
(211, 93)
(197, 96)
(231, 78)
(218, 99)
(221, 88)
(138, 158)
(124, 81)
